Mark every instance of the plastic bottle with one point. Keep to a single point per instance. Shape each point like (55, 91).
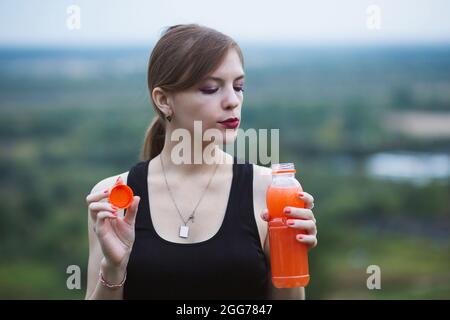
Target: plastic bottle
(288, 257)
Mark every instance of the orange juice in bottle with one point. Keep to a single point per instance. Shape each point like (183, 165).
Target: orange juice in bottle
(288, 257)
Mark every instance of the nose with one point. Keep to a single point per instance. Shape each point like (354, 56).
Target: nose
(231, 99)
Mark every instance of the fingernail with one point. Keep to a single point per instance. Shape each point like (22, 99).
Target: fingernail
(114, 208)
(115, 213)
(287, 210)
(299, 237)
(301, 194)
(106, 191)
(290, 222)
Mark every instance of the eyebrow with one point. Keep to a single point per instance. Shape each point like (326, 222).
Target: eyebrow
(222, 80)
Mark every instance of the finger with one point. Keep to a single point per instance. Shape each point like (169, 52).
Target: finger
(308, 225)
(102, 215)
(100, 222)
(130, 214)
(96, 197)
(299, 213)
(119, 180)
(102, 206)
(96, 207)
(309, 240)
(265, 215)
(309, 199)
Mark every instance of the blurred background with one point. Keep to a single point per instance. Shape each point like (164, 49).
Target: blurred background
(360, 91)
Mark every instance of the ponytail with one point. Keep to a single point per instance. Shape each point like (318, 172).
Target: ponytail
(154, 139)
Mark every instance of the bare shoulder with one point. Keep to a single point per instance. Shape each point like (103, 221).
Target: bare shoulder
(109, 182)
(262, 177)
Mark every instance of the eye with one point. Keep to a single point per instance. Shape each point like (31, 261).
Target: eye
(241, 89)
(209, 90)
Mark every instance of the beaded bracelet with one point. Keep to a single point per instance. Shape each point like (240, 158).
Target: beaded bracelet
(109, 285)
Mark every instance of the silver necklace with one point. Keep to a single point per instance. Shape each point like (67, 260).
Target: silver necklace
(184, 229)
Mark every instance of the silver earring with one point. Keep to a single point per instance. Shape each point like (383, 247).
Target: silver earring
(169, 118)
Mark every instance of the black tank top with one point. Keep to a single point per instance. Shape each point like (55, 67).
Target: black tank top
(230, 265)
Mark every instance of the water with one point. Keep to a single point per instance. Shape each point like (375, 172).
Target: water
(416, 167)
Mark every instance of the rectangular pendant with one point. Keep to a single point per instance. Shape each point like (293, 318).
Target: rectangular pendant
(184, 231)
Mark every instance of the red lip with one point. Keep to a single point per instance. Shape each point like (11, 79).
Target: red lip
(229, 120)
(230, 123)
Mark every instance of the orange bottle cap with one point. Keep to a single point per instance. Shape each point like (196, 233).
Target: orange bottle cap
(121, 196)
(284, 171)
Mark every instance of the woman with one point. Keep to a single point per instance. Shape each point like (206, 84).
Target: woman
(194, 230)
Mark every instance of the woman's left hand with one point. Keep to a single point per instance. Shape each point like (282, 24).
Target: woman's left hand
(302, 219)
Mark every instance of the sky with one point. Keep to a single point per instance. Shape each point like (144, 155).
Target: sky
(138, 22)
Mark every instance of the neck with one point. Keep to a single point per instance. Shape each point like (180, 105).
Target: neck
(200, 161)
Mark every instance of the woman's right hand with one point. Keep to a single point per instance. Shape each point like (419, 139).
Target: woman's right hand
(115, 234)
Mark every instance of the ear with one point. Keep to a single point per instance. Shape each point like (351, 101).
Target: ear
(163, 100)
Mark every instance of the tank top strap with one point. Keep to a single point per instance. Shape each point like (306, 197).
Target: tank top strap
(242, 192)
(137, 180)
